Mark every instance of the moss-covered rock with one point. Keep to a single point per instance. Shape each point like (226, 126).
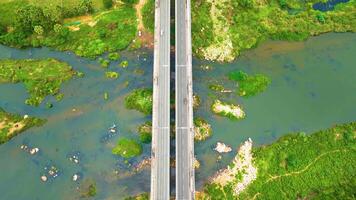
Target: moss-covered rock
(202, 129)
(227, 110)
(127, 148)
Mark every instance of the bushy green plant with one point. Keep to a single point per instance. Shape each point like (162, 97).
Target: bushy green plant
(107, 3)
(141, 100)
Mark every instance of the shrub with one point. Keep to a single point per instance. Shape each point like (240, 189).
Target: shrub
(107, 3)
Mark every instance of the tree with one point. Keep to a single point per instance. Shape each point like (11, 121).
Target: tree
(130, 1)
(38, 30)
(2, 29)
(85, 6)
(107, 3)
(30, 16)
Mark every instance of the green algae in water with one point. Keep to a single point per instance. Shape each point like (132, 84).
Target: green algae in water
(41, 77)
(249, 85)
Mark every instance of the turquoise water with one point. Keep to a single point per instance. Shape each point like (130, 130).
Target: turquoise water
(313, 87)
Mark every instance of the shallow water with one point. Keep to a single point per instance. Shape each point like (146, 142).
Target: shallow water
(313, 87)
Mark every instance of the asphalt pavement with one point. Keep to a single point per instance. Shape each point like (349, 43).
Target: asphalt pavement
(160, 176)
(185, 182)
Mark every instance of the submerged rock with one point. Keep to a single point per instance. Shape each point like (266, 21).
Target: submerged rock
(44, 178)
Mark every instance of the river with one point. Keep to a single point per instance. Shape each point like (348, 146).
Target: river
(313, 87)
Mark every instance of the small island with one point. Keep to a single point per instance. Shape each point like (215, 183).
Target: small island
(140, 100)
(127, 148)
(13, 124)
(228, 110)
(248, 85)
(41, 77)
(202, 129)
(293, 164)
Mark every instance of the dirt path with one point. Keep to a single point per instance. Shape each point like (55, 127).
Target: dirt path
(139, 7)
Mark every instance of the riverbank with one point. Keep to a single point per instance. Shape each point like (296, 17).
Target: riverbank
(292, 167)
(14, 124)
(222, 29)
(85, 28)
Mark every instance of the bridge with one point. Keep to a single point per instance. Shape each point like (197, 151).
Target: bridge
(160, 168)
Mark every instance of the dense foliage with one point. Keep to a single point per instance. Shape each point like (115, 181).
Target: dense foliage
(12, 125)
(143, 196)
(222, 29)
(127, 148)
(249, 85)
(300, 166)
(54, 26)
(40, 77)
(140, 100)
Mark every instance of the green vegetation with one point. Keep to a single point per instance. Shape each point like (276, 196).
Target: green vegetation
(80, 74)
(104, 63)
(112, 75)
(148, 15)
(300, 166)
(216, 87)
(124, 64)
(114, 56)
(140, 100)
(40, 77)
(222, 29)
(92, 190)
(145, 132)
(127, 148)
(12, 125)
(106, 95)
(202, 129)
(107, 3)
(65, 27)
(143, 196)
(249, 85)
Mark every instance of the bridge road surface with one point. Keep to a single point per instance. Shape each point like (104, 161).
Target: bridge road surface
(160, 168)
(185, 182)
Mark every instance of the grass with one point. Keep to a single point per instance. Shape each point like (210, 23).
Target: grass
(140, 100)
(13, 124)
(148, 15)
(248, 23)
(299, 166)
(249, 85)
(127, 148)
(40, 77)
